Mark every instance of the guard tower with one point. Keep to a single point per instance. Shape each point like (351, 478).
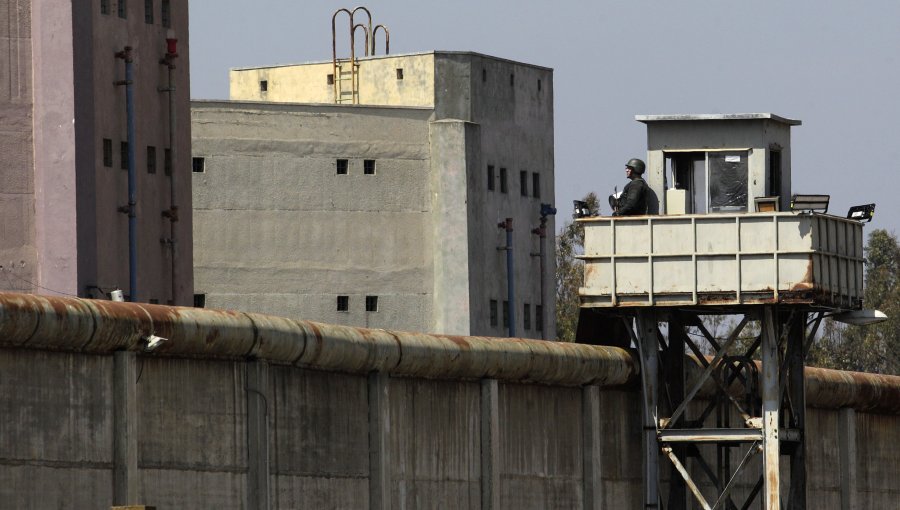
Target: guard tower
(726, 249)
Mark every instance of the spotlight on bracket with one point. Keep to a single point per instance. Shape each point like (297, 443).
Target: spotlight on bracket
(581, 209)
(861, 213)
(810, 203)
(861, 317)
(152, 342)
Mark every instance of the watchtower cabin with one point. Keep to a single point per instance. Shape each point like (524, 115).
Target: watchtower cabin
(725, 239)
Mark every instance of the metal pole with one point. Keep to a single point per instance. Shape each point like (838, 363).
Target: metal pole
(131, 208)
(770, 405)
(510, 281)
(541, 232)
(172, 213)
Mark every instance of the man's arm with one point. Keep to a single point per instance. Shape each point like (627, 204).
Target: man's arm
(631, 197)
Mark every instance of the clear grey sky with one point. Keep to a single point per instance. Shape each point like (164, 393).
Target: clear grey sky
(833, 65)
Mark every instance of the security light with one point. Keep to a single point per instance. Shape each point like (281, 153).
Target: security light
(861, 317)
(810, 203)
(581, 209)
(861, 212)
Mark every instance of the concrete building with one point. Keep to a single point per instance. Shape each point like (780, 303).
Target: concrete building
(64, 145)
(382, 212)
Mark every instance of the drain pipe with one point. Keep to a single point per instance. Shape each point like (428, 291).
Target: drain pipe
(171, 213)
(131, 208)
(510, 281)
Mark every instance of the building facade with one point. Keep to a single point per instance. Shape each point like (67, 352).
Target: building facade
(64, 140)
(383, 212)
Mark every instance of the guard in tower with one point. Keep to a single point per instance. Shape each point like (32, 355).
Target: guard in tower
(633, 200)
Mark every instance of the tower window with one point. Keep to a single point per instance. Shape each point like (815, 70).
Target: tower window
(503, 187)
(490, 177)
(523, 183)
(123, 153)
(539, 85)
(199, 300)
(122, 9)
(263, 85)
(526, 317)
(198, 165)
(535, 185)
(104, 6)
(330, 79)
(107, 152)
(167, 161)
(512, 79)
(343, 303)
(369, 166)
(151, 159)
(399, 73)
(148, 12)
(165, 14)
(371, 303)
(506, 314)
(493, 312)
(539, 318)
(342, 166)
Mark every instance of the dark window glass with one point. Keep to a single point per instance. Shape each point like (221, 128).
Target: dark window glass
(167, 161)
(371, 303)
(484, 75)
(503, 188)
(526, 316)
(491, 177)
(512, 79)
(774, 183)
(399, 73)
(331, 79)
(539, 318)
(539, 85)
(506, 314)
(263, 85)
(369, 166)
(122, 9)
(523, 183)
(123, 153)
(728, 174)
(493, 312)
(342, 166)
(104, 6)
(165, 14)
(199, 300)
(343, 303)
(535, 185)
(151, 159)
(107, 152)
(198, 165)
(148, 11)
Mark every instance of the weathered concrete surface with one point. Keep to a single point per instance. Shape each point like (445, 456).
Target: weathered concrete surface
(195, 402)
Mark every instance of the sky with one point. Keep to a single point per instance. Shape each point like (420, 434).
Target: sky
(833, 65)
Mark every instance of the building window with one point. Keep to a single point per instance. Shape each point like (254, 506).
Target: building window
(535, 185)
(122, 9)
(343, 303)
(263, 85)
(512, 79)
(484, 75)
(330, 79)
(107, 152)
(503, 188)
(369, 166)
(199, 300)
(491, 177)
(539, 85)
(539, 318)
(342, 166)
(167, 161)
(526, 316)
(148, 11)
(104, 6)
(506, 314)
(371, 303)
(493, 311)
(523, 183)
(123, 153)
(154, 301)
(165, 14)
(399, 73)
(198, 165)
(151, 159)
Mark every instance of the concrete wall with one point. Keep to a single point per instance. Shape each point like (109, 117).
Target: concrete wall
(278, 231)
(64, 232)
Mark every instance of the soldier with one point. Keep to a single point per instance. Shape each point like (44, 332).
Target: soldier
(633, 200)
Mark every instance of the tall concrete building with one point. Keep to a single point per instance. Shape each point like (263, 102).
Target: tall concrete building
(63, 137)
(371, 194)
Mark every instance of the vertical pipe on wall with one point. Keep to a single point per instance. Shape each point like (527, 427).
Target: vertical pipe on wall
(131, 208)
(541, 232)
(168, 60)
(510, 280)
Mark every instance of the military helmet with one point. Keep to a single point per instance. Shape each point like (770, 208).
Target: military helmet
(637, 166)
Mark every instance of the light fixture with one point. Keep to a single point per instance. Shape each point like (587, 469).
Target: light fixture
(861, 212)
(810, 203)
(860, 317)
(581, 209)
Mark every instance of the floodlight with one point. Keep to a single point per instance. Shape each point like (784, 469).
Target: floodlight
(861, 212)
(581, 209)
(861, 317)
(810, 203)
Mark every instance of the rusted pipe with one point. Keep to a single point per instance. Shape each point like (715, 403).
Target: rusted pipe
(387, 39)
(102, 327)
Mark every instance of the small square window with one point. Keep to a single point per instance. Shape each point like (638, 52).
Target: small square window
(503, 187)
(167, 161)
(371, 303)
(343, 303)
(490, 177)
(399, 73)
(483, 75)
(148, 11)
(199, 300)
(526, 317)
(369, 166)
(198, 165)
(342, 166)
(123, 153)
(493, 311)
(104, 6)
(151, 159)
(107, 152)
(165, 14)
(263, 85)
(122, 9)
(506, 314)
(523, 183)
(539, 318)
(331, 79)
(535, 185)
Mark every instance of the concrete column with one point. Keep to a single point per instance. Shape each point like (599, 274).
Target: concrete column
(771, 402)
(590, 429)
(847, 453)
(490, 445)
(257, 396)
(379, 446)
(126, 480)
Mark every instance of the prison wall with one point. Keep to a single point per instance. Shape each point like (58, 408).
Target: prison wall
(239, 410)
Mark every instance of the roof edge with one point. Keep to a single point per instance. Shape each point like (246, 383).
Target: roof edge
(647, 119)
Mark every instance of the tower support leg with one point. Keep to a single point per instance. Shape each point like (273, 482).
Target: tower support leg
(648, 344)
(771, 400)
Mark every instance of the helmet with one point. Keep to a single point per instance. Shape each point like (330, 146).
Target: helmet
(637, 166)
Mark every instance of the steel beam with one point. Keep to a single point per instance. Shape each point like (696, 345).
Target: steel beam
(771, 403)
(648, 344)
